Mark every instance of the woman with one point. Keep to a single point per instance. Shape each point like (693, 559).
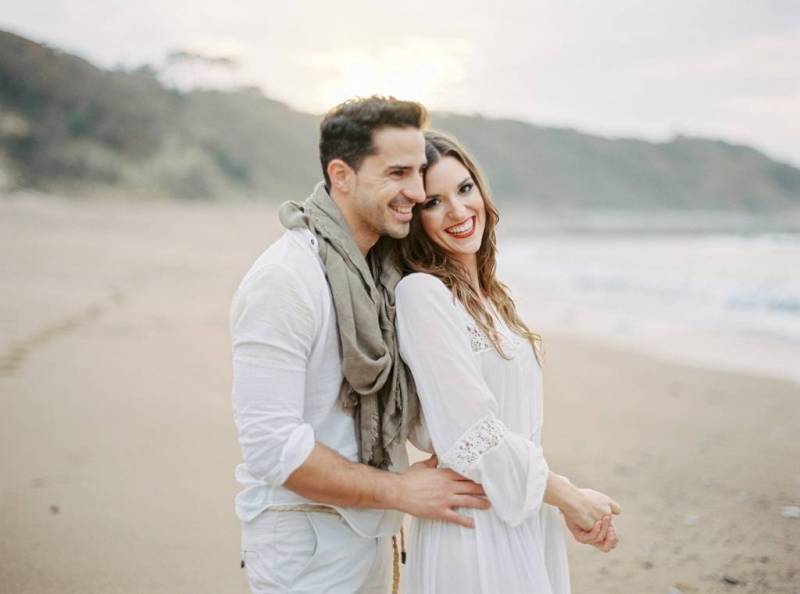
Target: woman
(476, 366)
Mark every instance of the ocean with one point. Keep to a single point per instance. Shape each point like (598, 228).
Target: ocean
(719, 300)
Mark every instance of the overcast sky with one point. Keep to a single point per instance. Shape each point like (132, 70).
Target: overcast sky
(722, 69)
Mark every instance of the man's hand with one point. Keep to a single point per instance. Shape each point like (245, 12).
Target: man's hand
(423, 490)
(432, 493)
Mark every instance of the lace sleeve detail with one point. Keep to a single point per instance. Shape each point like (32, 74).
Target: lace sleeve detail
(474, 443)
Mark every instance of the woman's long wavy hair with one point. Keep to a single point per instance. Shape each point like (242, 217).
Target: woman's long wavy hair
(417, 253)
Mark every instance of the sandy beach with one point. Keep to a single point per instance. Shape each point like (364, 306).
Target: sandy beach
(117, 444)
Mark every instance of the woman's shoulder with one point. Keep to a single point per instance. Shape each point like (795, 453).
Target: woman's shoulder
(421, 287)
(421, 281)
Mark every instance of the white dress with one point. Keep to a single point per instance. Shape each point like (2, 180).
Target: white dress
(483, 417)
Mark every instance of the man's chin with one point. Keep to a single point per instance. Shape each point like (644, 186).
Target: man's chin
(397, 230)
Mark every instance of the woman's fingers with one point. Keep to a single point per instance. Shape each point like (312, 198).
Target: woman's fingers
(605, 522)
(577, 532)
(610, 542)
(615, 507)
(591, 535)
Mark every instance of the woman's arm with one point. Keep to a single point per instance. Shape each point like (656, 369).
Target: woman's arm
(583, 506)
(460, 411)
(587, 513)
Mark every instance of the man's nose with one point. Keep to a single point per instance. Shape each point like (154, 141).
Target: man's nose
(415, 191)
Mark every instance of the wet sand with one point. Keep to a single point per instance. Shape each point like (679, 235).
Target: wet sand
(117, 445)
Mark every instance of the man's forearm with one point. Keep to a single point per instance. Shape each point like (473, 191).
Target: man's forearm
(328, 477)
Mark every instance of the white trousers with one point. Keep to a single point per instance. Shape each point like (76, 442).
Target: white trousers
(313, 553)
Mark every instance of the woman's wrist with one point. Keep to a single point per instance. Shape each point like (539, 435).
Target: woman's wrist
(563, 494)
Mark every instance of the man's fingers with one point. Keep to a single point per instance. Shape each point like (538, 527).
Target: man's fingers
(453, 475)
(465, 485)
(453, 517)
(431, 462)
(470, 488)
(470, 501)
(615, 507)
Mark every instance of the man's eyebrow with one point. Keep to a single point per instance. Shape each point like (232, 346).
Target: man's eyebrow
(398, 167)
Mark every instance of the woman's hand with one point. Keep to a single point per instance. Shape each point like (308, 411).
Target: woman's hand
(589, 507)
(603, 536)
(587, 512)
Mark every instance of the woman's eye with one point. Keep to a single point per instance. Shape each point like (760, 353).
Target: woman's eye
(466, 188)
(430, 203)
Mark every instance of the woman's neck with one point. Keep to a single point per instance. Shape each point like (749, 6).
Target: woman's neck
(470, 264)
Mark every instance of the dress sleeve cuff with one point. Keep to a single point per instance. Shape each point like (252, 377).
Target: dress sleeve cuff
(476, 441)
(296, 450)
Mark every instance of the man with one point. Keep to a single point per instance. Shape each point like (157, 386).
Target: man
(321, 399)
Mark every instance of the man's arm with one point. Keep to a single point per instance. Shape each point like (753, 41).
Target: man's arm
(423, 490)
(273, 327)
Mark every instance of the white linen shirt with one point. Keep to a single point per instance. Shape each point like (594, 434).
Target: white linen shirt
(287, 377)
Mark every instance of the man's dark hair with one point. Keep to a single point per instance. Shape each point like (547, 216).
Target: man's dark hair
(346, 130)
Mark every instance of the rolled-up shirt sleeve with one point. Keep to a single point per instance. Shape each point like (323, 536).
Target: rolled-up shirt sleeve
(460, 410)
(272, 327)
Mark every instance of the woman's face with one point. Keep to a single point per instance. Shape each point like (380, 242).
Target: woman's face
(453, 214)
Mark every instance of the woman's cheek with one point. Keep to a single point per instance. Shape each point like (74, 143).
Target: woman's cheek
(428, 223)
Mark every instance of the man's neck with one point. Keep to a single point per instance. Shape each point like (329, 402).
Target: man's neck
(364, 237)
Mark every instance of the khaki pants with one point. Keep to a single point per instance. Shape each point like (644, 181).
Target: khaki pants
(313, 553)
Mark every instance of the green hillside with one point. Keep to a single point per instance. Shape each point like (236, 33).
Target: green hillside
(67, 126)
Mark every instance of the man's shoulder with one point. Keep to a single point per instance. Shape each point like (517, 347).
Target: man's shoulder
(288, 269)
(292, 255)
(287, 277)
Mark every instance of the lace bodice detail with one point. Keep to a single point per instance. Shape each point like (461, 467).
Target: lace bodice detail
(474, 443)
(478, 339)
(479, 342)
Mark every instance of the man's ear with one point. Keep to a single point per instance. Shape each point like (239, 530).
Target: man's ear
(341, 175)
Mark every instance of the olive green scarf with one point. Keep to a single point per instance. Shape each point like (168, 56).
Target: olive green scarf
(379, 388)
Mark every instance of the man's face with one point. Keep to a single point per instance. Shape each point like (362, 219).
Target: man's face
(389, 182)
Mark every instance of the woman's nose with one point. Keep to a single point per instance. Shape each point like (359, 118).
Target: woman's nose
(457, 211)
